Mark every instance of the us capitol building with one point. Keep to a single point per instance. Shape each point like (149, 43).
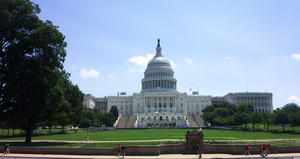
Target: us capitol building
(160, 104)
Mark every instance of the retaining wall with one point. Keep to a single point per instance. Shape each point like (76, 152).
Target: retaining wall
(154, 150)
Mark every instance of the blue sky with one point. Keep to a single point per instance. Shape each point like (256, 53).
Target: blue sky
(215, 47)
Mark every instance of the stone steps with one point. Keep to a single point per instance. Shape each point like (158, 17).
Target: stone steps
(122, 123)
(192, 122)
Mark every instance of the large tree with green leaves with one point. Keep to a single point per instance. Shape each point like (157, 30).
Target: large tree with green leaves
(219, 113)
(243, 114)
(115, 112)
(31, 62)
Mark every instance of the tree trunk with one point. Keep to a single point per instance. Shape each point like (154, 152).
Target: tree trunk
(29, 132)
(8, 132)
(49, 127)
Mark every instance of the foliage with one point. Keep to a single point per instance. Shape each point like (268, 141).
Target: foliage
(35, 90)
(114, 111)
(96, 118)
(288, 114)
(217, 113)
(243, 114)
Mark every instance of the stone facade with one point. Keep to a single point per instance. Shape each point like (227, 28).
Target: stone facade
(262, 102)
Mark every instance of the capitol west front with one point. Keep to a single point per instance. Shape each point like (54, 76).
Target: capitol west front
(159, 102)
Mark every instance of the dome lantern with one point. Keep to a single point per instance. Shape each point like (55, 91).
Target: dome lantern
(158, 49)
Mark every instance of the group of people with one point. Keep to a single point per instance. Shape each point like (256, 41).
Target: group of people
(263, 150)
(121, 150)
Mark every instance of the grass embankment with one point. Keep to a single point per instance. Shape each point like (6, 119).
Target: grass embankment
(123, 135)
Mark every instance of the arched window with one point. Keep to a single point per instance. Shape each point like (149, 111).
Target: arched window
(173, 118)
(161, 118)
(167, 118)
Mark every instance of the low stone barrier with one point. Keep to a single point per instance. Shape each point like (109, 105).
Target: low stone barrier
(154, 150)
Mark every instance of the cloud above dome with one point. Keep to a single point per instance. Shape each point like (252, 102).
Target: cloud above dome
(141, 60)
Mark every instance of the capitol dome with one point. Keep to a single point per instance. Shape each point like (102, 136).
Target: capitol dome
(159, 75)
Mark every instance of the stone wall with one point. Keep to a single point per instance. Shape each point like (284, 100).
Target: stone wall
(153, 150)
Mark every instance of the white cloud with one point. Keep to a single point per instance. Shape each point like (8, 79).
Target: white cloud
(294, 98)
(188, 60)
(296, 56)
(131, 69)
(173, 65)
(110, 76)
(92, 73)
(139, 63)
(141, 60)
(230, 58)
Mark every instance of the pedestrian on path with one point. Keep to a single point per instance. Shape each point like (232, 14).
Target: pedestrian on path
(119, 150)
(247, 150)
(123, 150)
(87, 138)
(263, 149)
(6, 149)
(199, 150)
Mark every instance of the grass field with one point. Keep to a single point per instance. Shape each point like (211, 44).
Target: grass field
(272, 127)
(156, 134)
(18, 131)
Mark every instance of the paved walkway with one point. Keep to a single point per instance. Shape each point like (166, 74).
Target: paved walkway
(94, 141)
(286, 155)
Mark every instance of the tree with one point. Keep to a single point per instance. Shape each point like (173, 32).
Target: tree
(88, 118)
(293, 111)
(280, 117)
(245, 112)
(31, 60)
(114, 111)
(219, 113)
(255, 119)
(267, 119)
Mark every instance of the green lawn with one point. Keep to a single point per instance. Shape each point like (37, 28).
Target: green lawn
(272, 127)
(155, 134)
(18, 131)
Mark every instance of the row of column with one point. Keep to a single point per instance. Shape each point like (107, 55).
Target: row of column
(159, 84)
(156, 74)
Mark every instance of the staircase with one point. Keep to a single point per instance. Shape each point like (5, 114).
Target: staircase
(192, 122)
(195, 120)
(122, 121)
(199, 120)
(126, 121)
(131, 121)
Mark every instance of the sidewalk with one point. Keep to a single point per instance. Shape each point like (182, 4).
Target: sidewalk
(286, 155)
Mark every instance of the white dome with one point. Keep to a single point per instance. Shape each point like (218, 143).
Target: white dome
(159, 61)
(159, 76)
